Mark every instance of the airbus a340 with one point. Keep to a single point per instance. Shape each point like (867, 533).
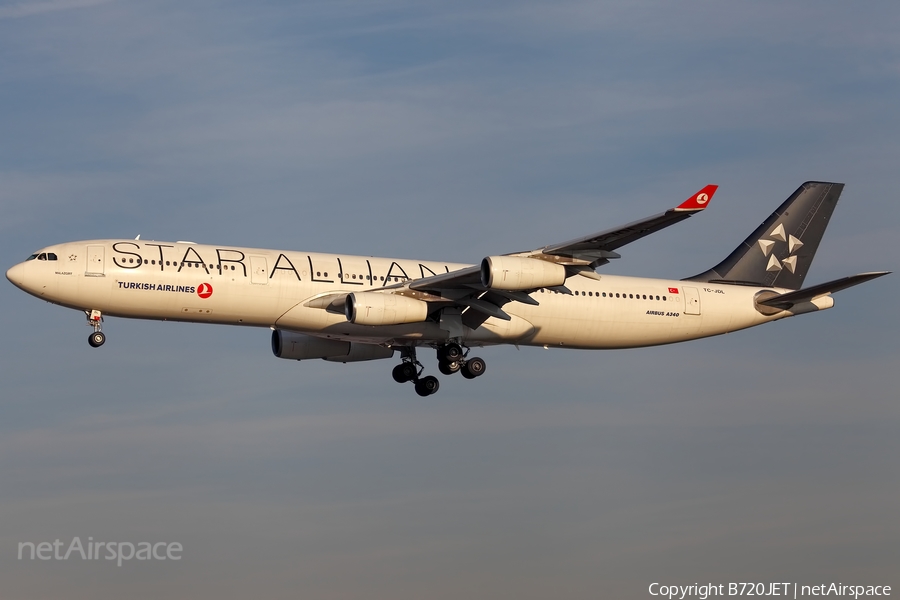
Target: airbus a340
(353, 308)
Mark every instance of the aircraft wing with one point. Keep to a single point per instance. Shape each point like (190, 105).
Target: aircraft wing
(597, 248)
(580, 256)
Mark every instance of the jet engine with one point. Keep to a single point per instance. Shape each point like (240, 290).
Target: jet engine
(513, 273)
(375, 308)
(297, 346)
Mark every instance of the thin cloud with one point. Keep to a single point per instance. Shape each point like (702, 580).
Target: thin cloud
(28, 9)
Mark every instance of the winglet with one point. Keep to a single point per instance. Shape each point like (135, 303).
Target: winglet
(700, 200)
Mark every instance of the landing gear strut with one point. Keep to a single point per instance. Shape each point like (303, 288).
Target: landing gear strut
(94, 318)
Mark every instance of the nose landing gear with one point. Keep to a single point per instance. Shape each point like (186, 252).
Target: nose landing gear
(94, 318)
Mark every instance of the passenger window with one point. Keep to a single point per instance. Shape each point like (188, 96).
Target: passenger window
(664, 298)
(645, 296)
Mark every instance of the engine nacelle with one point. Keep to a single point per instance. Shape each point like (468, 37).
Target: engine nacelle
(375, 308)
(297, 346)
(514, 273)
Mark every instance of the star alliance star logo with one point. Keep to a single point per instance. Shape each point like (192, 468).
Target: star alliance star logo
(766, 245)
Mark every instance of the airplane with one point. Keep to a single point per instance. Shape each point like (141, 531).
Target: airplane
(354, 308)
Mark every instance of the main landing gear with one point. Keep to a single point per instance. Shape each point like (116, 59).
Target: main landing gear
(451, 359)
(410, 369)
(94, 318)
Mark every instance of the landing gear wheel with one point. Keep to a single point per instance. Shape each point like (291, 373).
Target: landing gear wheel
(473, 368)
(451, 352)
(404, 372)
(449, 368)
(427, 385)
(96, 339)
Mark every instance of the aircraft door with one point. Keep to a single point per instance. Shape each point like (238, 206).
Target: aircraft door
(259, 271)
(96, 258)
(691, 301)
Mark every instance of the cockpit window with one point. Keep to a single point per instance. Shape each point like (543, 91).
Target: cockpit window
(43, 256)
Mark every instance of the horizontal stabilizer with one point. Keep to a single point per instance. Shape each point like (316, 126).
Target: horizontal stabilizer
(785, 301)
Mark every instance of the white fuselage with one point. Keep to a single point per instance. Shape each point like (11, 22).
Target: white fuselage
(277, 289)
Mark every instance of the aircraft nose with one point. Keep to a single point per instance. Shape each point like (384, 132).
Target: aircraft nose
(16, 275)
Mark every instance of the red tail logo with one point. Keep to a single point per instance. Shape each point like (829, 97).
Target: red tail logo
(204, 290)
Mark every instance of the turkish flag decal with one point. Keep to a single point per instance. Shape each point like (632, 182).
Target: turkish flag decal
(671, 290)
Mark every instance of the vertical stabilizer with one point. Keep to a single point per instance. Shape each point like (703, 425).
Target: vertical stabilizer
(780, 251)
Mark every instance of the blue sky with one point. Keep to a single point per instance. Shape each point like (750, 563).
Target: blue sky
(449, 131)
